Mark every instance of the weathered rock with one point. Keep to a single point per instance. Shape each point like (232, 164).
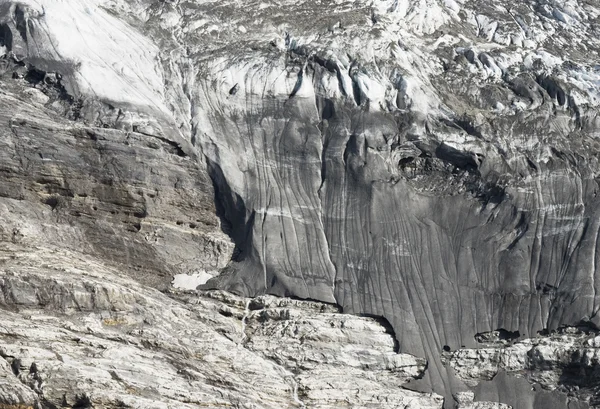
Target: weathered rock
(339, 360)
(566, 361)
(132, 199)
(75, 332)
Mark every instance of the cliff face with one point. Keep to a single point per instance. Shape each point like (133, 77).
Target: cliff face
(431, 162)
(75, 332)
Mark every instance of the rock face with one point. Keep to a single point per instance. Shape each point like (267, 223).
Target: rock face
(431, 162)
(563, 366)
(134, 199)
(76, 333)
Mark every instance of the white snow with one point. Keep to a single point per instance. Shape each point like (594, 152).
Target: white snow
(560, 16)
(112, 61)
(545, 57)
(452, 5)
(190, 281)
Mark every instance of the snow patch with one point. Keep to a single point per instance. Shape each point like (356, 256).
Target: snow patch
(190, 281)
(107, 58)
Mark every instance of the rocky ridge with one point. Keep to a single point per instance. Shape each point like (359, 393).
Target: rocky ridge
(564, 361)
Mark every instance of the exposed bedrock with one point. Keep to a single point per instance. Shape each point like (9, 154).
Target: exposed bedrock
(134, 200)
(76, 332)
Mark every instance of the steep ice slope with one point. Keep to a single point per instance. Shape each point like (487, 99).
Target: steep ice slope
(92, 46)
(434, 162)
(449, 159)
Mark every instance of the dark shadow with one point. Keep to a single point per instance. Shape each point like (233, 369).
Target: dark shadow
(232, 212)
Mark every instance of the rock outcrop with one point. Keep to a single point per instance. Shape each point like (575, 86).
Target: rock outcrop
(76, 332)
(431, 162)
(132, 198)
(562, 365)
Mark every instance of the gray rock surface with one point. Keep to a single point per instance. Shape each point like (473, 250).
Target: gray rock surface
(133, 199)
(432, 162)
(565, 361)
(77, 333)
